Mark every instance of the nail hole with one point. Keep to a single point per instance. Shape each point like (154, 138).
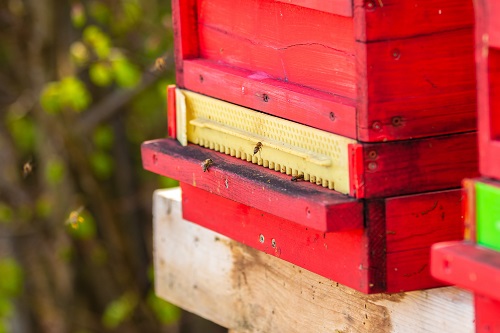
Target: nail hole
(155, 159)
(377, 126)
(273, 242)
(370, 4)
(265, 98)
(332, 116)
(396, 54)
(397, 121)
(372, 166)
(201, 78)
(372, 154)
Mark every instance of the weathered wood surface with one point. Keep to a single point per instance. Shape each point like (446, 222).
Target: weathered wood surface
(248, 291)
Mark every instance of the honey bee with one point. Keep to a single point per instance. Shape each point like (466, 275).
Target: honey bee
(75, 217)
(160, 64)
(206, 164)
(296, 178)
(27, 169)
(258, 147)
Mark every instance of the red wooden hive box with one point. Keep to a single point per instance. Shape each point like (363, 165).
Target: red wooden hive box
(396, 76)
(467, 263)
(373, 70)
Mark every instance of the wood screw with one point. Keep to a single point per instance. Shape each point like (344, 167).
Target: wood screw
(261, 238)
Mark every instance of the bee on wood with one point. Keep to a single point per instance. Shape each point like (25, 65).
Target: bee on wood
(297, 178)
(258, 147)
(206, 164)
(27, 169)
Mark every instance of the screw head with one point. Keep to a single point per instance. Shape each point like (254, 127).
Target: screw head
(261, 238)
(273, 242)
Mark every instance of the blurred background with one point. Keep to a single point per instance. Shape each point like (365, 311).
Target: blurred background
(82, 84)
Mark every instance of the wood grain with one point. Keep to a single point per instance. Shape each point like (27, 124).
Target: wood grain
(412, 166)
(232, 285)
(339, 7)
(302, 202)
(377, 20)
(416, 87)
(331, 113)
(286, 42)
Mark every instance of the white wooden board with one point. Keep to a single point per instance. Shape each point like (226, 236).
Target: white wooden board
(248, 291)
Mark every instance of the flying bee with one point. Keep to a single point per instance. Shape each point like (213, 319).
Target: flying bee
(296, 178)
(206, 164)
(75, 217)
(27, 169)
(258, 147)
(160, 64)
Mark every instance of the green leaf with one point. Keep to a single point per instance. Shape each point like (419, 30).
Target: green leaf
(100, 12)
(78, 17)
(6, 213)
(166, 312)
(54, 171)
(103, 137)
(49, 98)
(101, 74)
(79, 53)
(119, 310)
(12, 277)
(127, 74)
(99, 41)
(74, 94)
(166, 182)
(102, 164)
(23, 131)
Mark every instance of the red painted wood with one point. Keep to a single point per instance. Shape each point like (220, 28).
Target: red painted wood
(413, 224)
(341, 256)
(185, 34)
(171, 112)
(302, 202)
(399, 79)
(467, 265)
(354, 258)
(377, 20)
(488, 86)
(280, 40)
(487, 318)
(357, 174)
(307, 106)
(416, 87)
(339, 7)
(404, 167)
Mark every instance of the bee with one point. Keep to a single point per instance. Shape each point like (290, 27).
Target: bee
(258, 147)
(296, 178)
(75, 217)
(206, 164)
(27, 169)
(160, 64)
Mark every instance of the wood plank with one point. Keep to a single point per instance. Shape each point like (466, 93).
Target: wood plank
(171, 112)
(280, 40)
(376, 20)
(302, 202)
(487, 310)
(413, 224)
(232, 285)
(467, 265)
(339, 7)
(307, 106)
(345, 252)
(405, 87)
(412, 166)
(186, 41)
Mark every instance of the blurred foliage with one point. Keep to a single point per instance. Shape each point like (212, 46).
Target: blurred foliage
(80, 93)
